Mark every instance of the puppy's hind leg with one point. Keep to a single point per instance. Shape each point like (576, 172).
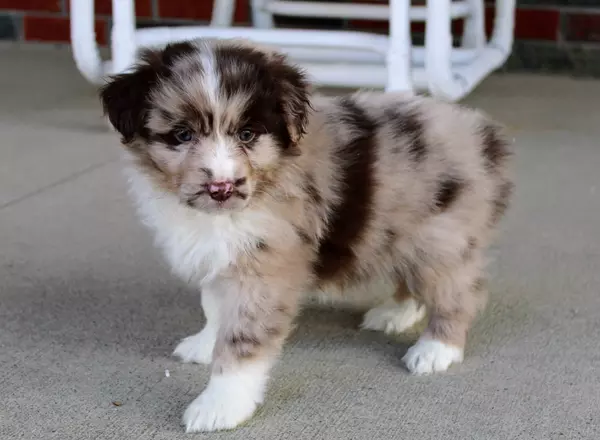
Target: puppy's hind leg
(397, 314)
(452, 298)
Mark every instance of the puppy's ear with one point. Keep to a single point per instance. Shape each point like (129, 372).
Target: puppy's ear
(125, 97)
(295, 95)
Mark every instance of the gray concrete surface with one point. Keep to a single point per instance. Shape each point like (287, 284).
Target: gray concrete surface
(89, 314)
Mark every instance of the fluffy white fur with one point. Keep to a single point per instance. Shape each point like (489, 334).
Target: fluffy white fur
(229, 399)
(391, 317)
(197, 245)
(199, 348)
(430, 356)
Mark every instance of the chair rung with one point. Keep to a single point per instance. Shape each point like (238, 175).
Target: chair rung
(459, 9)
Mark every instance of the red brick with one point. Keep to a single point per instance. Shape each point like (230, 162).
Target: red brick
(368, 25)
(490, 18)
(242, 11)
(199, 10)
(537, 24)
(415, 27)
(56, 29)
(143, 8)
(582, 27)
(32, 5)
(534, 24)
(530, 24)
(188, 9)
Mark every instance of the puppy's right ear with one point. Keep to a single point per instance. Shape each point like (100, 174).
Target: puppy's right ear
(125, 98)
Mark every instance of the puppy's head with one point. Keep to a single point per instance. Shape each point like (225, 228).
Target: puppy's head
(209, 121)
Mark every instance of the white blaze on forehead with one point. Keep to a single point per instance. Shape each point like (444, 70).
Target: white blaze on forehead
(210, 80)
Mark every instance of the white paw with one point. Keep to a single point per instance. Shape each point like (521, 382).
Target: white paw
(197, 348)
(227, 401)
(392, 317)
(211, 411)
(429, 356)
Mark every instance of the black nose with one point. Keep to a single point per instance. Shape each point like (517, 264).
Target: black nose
(220, 191)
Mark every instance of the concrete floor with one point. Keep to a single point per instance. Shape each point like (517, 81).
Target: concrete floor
(89, 314)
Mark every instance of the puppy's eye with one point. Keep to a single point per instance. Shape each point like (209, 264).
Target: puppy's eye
(182, 135)
(246, 136)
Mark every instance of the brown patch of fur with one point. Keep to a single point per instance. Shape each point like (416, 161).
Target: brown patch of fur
(449, 189)
(351, 216)
(407, 125)
(402, 292)
(312, 190)
(501, 201)
(304, 237)
(495, 147)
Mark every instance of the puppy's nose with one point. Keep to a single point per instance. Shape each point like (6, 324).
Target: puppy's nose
(220, 191)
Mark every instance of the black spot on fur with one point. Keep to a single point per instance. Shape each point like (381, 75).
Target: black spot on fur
(245, 344)
(169, 139)
(495, 147)
(244, 338)
(125, 96)
(175, 51)
(279, 91)
(125, 102)
(407, 125)
(353, 213)
(240, 70)
(448, 191)
(501, 201)
(261, 245)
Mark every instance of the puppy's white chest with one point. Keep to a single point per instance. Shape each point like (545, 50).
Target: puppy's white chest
(197, 246)
(199, 249)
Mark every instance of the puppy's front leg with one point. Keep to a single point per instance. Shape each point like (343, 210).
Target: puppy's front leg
(255, 316)
(199, 348)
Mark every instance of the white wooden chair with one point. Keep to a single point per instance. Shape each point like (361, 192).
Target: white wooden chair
(332, 58)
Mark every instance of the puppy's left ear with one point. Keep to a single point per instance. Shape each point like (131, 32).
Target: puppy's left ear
(125, 98)
(295, 95)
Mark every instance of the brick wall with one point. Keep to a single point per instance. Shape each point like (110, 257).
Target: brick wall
(551, 35)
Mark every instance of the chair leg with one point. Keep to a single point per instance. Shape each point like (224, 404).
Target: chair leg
(474, 32)
(438, 47)
(83, 41)
(261, 17)
(399, 51)
(223, 12)
(123, 35)
(504, 23)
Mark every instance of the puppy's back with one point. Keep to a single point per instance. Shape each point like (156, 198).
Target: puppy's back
(389, 166)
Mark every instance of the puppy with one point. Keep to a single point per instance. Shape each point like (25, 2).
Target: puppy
(259, 193)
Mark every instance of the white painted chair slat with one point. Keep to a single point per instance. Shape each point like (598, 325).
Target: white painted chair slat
(332, 58)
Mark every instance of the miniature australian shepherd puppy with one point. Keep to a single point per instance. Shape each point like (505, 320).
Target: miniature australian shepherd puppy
(259, 193)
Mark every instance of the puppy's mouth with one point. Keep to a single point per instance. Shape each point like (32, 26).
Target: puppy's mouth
(202, 200)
